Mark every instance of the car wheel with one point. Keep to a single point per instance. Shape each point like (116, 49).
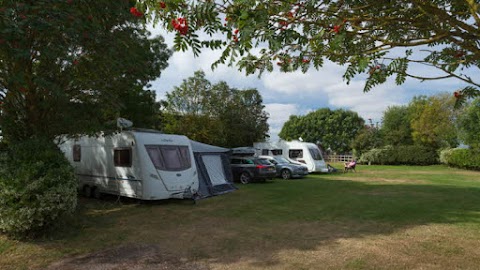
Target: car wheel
(245, 178)
(286, 174)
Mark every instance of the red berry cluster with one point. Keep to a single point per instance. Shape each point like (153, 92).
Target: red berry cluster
(336, 28)
(162, 5)
(235, 33)
(135, 12)
(181, 25)
(376, 68)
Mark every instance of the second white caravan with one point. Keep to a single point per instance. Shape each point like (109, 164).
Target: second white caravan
(302, 152)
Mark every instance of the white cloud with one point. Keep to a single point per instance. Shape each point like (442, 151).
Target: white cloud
(313, 81)
(327, 86)
(367, 105)
(279, 114)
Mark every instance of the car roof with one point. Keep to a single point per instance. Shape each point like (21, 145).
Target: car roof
(251, 157)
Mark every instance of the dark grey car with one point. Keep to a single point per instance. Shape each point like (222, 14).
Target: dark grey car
(286, 169)
(249, 169)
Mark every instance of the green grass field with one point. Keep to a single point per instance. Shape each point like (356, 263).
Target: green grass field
(381, 217)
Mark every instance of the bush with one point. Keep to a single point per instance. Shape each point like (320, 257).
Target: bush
(37, 187)
(401, 155)
(461, 158)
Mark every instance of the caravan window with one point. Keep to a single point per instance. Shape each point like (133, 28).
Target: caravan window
(277, 152)
(169, 157)
(316, 155)
(264, 152)
(295, 153)
(122, 157)
(77, 153)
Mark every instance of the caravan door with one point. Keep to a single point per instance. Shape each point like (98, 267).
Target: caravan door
(215, 170)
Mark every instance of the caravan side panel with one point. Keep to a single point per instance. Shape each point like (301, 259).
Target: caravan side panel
(107, 163)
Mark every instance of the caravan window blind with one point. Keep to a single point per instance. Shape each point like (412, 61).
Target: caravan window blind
(295, 153)
(277, 152)
(122, 157)
(169, 157)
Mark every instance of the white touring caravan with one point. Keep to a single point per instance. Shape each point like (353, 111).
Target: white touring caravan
(302, 152)
(142, 164)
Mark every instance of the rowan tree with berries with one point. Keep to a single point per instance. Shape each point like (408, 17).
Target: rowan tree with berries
(61, 60)
(442, 35)
(66, 67)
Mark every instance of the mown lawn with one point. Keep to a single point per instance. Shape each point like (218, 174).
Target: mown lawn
(381, 217)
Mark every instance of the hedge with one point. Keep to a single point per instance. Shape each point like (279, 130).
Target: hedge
(461, 158)
(37, 188)
(400, 155)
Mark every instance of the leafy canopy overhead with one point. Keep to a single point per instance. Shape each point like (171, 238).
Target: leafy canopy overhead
(362, 34)
(69, 67)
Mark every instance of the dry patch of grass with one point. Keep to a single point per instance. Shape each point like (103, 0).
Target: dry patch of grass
(454, 171)
(379, 179)
(422, 247)
(132, 256)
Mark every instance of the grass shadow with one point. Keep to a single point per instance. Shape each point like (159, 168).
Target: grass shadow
(258, 222)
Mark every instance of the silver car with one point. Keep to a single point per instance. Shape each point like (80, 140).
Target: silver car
(286, 169)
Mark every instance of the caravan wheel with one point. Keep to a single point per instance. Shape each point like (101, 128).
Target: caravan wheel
(96, 193)
(87, 191)
(245, 178)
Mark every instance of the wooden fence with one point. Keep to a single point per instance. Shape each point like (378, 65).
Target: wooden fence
(338, 158)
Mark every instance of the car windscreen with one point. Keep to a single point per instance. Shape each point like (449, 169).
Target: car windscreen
(316, 155)
(281, 160)
(169, 157)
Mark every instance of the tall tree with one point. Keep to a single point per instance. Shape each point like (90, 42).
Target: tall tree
(333, 129)
(189, 97)
(216, 114)
(396, 127)
(433, 121)
(247, 118)
(469, 124)
(371, 37)
(367, 139)
(186, 109)
(141, 107)
(66, 66)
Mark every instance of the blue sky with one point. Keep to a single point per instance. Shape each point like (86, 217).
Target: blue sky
(296, 93)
